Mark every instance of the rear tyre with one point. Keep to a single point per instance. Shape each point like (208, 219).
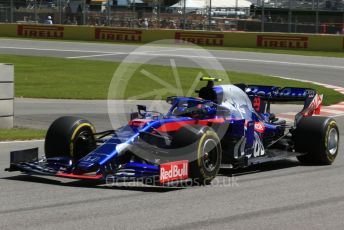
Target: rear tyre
(70, 136)
(318, 138)
(205, 151)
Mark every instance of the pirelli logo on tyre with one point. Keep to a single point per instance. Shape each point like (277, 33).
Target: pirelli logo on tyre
(279, 41)
(35, 31)
(208, 39)
(107, 34)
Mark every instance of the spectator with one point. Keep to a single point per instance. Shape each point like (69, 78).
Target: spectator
(75, 21)
(145, 23)
(49, 21)
(174, 25)
(67, 21)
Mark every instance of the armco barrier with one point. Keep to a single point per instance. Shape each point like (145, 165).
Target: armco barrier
(206, 38)
(6, 95)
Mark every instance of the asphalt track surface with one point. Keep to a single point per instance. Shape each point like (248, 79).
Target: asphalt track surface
(279, 195)
(320, 69)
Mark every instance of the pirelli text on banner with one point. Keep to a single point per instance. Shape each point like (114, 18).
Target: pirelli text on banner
(36, 31)
(280, 41)
(120, 35)
(199, 38)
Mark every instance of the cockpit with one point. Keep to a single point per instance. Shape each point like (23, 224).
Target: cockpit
(191, 107)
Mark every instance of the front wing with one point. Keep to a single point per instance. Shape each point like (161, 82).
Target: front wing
(167, 174)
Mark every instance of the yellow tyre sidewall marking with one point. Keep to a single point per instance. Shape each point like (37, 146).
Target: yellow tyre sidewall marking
(331, 125)
(199, 152)
(80, 126)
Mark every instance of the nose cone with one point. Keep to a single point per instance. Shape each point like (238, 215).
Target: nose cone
(86, 167)
(89, 163)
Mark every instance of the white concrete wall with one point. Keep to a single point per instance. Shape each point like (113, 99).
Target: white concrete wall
(6, 95)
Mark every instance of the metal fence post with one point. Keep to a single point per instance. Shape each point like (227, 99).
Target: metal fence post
(60, 12)
(184, 15)
(263, 16)
(84, 12)
(11, 11)
(108, 13)
(343, 19)
(209, 16)
(158, 13)
(35, 11)
(290, 15)
(236, 8)
(317, 18)
(134, 10)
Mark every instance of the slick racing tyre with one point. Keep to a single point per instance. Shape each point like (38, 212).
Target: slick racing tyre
(206, 152)
(70, 136)
(318, 138)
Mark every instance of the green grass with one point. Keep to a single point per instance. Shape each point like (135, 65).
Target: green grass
(21, 134)
(43, 77)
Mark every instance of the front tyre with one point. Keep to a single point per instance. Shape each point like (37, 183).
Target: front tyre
(318, 138)
(204, 145)
(71, 137)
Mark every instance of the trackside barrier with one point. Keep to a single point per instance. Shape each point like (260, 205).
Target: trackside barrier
(6, 95)
(206, 38)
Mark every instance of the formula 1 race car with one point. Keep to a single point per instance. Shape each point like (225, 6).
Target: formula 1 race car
(228, 126)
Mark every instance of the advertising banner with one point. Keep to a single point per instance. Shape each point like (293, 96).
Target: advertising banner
(319, 42)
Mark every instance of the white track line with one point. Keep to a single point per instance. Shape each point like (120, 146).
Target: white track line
(333, 111)
(145, 53)
(58, 50)
(182, 56)
(247, 60)
(28, 141)
(95, 55)
(340, 106)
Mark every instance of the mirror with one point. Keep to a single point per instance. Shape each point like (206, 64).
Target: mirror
(142, 109)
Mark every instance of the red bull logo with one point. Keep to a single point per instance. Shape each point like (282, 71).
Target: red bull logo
(171, 171)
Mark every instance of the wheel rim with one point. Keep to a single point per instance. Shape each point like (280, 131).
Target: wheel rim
(82, 144)
(332, 141)
(209, 156)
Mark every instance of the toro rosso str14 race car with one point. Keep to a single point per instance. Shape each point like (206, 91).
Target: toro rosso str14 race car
(227, 126)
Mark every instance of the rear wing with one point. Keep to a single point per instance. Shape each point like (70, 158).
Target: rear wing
(258, 94)
(277, 94)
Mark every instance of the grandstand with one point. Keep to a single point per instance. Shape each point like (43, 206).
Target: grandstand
(305, 16)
